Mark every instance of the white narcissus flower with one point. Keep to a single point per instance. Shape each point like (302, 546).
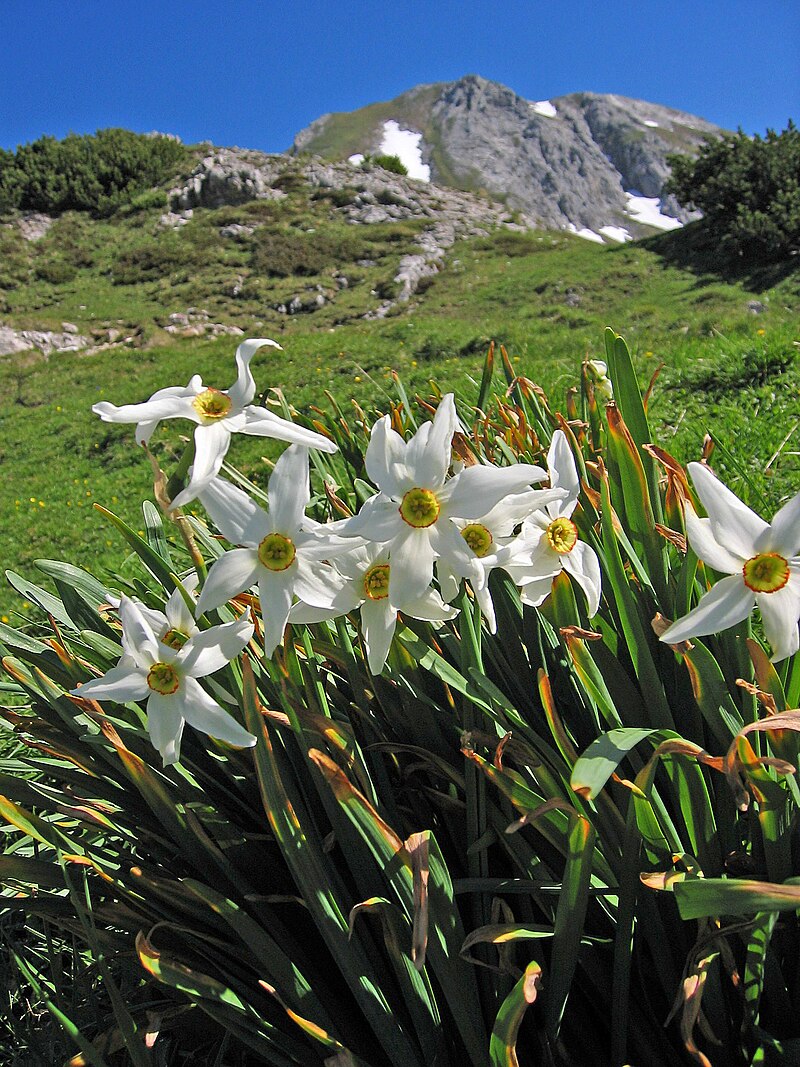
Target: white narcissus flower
(218, 414)
(762, 561)
(166, 676)
(491, 539)
(282, 550)
(548, 542)
(414, 512)
(368, 571)
(176, 623)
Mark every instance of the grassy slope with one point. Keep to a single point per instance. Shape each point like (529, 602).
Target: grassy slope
(725, 369)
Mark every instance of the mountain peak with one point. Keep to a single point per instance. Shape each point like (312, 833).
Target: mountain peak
(592, 163)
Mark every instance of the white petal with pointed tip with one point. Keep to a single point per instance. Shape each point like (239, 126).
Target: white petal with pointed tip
(237, 517)
(203, 713)
(563, 474)
(165, 725)
(378, 623)
(262, 423)
(138, 639)
(209, 650)
(785, 527)
(411, 566)
(230, 575)
(733, 524)
(275, 594)
(780, 612)
(476, 490)
(583, 565)
(428, 452)
(385, 459)
(706, 547)
(289, 490)
(725, 604)
(120, 684)
(244, 388)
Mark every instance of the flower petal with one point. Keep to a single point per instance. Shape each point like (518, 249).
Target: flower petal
(733, 524)
(780, 612)
(289, 490)
(476, 490)
(211, 443)
(317, 583)
(177, 613)
(536, 591)
(262, 423)
(410, 566)
(138, 639)
(378, 520)
(582, 563)
(429, 607)
(165, 725)
(385, 459)
(725, 604)
(563, 474)
(120, 684)
(230, 575)
(785, 530)
(237, 517)
(244, 388)
(378, 623)
(428, 452)
(211, 649)
(275, 594)
(203, 713)
(705, 545)
(176, 405)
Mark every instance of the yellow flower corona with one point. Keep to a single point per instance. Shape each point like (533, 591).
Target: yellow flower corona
(276, 552)
(175, 639)
(376, 582)
(211, 404)
(562, 534)
(163, 678)
(419, 508)
(478, 538)
(766, 573)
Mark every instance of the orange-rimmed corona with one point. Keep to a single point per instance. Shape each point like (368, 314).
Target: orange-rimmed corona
(163, 678)
(562, 535)
(211, 405)
(276, 552)
(376, 582)
(766, 573)
(420, 508)
(478, 538)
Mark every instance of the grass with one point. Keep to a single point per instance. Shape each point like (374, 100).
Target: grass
(545, 296)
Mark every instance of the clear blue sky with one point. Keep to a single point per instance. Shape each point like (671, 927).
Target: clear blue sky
(253, 72)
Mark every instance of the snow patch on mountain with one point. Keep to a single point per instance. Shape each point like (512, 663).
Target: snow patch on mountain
(405, 144)
(544, 107)
(647, 210)
(616, 233)
(586, 234)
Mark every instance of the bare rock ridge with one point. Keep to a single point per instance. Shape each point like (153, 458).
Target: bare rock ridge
(582, 162)
(369, 196)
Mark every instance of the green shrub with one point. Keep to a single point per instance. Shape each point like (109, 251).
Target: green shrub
(390, 163)
(97, 173)
(748, 189)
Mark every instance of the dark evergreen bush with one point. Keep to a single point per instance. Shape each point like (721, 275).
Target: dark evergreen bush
(748, 189)
(97, 173)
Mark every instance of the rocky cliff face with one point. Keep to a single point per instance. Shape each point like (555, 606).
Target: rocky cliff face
(585, 162)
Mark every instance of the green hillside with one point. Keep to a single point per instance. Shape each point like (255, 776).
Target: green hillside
(729, 347)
